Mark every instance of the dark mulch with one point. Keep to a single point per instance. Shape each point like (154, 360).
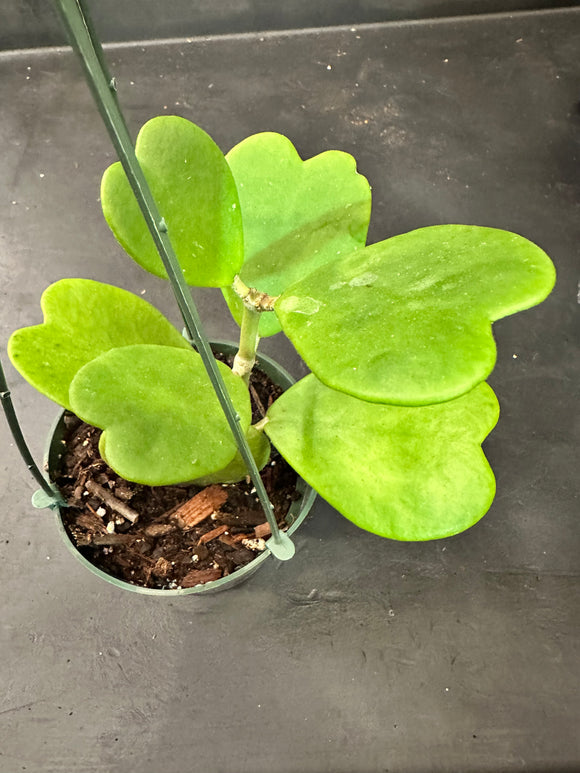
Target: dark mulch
(160, 549)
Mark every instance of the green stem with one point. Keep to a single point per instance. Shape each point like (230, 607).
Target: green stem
(260, 425)
(253, 297)
(249, 340)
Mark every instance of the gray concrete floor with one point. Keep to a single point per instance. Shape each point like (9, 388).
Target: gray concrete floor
(360, 654)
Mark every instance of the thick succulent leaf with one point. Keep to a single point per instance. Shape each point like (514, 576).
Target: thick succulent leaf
(196, 195)
(162, 421)
(408, 321)
(297, 215)
(83, 319)
(408, 473)
(236, 470)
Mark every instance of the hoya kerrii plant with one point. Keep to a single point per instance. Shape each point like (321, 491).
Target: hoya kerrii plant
(387, 426)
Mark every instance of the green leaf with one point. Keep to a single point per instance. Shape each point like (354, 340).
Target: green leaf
(162, 421)
(408, 320)
(400, 472)
(297, 215)
(236, 470)
(83, 319)
(196, 195)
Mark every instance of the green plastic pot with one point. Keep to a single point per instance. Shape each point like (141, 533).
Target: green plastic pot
(296, 515)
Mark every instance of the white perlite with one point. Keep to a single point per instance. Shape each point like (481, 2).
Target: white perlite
(254, 544)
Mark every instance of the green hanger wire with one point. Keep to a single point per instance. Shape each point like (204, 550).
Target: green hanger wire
(103, 87)
(50, 495)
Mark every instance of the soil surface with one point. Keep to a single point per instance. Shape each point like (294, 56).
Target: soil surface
(168, 536)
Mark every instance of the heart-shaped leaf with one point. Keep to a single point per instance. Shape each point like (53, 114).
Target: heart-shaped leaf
(196, 195)
(400, 472)
(408, 321)
(83, 319)
(297, 215)
(236, 470)
(162, 421)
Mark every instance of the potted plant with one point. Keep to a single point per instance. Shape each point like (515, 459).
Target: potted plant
(388, 426)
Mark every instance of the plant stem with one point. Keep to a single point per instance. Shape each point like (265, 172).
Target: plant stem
(255, 302)
(253, 297)
(259, 425)
(249, 340)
